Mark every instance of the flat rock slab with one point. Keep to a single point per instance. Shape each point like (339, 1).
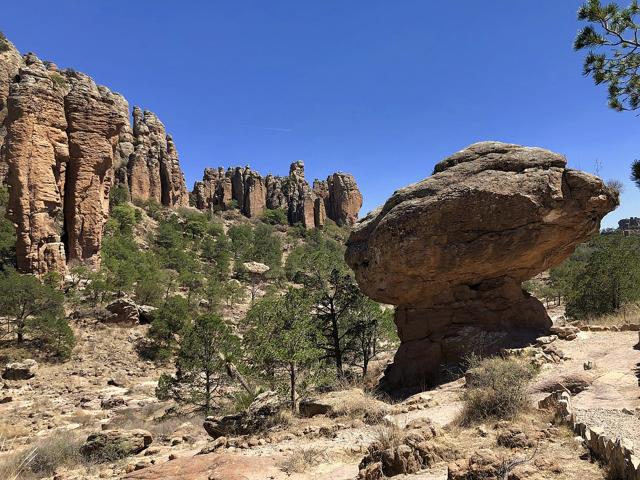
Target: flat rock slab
(614, 379)
(213, 465)
(615, 423)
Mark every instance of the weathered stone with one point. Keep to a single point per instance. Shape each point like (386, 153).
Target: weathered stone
(252, 420)
(95, 117)
(20, 370)
(125, 310)
(154, 169)
(452, 251)
(114, 444)
(10, 63)
(337, 198)
(37, 152)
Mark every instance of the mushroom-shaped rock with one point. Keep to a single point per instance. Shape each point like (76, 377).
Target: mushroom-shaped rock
(452, 250)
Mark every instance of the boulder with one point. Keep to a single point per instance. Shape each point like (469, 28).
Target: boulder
(125, 310)
(20, 370)
(254, 419)
(341, 402)
(451, 252)
(114, 444)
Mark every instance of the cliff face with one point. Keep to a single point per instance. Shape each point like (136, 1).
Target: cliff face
(337, 198)
(64, 142)
(10, 63)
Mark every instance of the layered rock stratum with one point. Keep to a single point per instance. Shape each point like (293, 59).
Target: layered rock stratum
(337, 198)
(64, 142)
(451, 252)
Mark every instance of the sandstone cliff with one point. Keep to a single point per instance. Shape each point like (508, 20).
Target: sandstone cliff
(452, 250)
(337, 198)
(64, 142)
(10, 63)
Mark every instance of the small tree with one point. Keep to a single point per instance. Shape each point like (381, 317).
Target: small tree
(205, 348)
(614, 54)
(635, 172)
(370, 328)
(24, 298)
(53, 333)
(167, 322)
(608, 278)
(282, 340)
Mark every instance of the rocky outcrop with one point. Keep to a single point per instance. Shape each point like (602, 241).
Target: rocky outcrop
(37, 152)
(337, 198)
(64, 142)
(10, 63)
(95, 119)
(153, 169)
(629, 226)
(452, 250)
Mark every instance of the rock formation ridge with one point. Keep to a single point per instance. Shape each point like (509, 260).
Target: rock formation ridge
(337, 198)
(452, 251)
(64, 142)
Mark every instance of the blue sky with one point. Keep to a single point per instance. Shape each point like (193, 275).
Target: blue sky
(380, 89)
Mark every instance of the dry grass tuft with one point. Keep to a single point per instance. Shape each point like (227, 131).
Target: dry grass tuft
(628, 314)
(43, 458)
(389, 435)
(301, 460)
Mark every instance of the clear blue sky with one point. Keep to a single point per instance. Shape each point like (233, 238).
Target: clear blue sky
(381, 89)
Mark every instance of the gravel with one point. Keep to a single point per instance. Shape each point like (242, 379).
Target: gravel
(615, 423)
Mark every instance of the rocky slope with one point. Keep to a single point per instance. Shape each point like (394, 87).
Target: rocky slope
(452, 250)
(337, 198)
(64, 142)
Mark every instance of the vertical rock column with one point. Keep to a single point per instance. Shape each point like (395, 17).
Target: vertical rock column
(36, 153)
(10, 63)
(96, 117)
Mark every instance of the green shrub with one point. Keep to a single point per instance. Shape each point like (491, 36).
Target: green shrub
(496, 388)
(58, 80)
(276, 216)
(7, 233)
(118, 195)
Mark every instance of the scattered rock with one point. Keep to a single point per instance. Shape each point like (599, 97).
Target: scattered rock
(513, 437)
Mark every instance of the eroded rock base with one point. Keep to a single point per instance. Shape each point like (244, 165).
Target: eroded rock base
(437, 337)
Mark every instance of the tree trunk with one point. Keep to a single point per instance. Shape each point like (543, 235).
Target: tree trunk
(20, 331)
(293, 379)
(335, 335)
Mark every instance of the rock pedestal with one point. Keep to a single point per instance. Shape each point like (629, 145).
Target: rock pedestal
(452, 250)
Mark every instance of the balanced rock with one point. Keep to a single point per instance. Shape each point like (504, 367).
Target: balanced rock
(452, 251)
